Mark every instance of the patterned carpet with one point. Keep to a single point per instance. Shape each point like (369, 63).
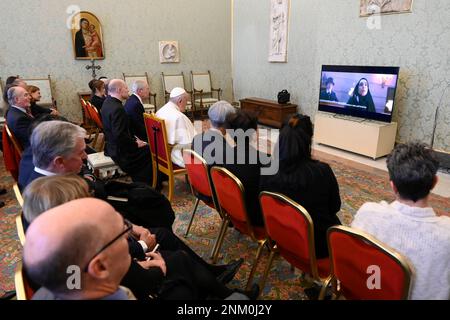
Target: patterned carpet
(358, 184)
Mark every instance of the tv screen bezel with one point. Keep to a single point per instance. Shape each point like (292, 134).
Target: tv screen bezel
(352, 111)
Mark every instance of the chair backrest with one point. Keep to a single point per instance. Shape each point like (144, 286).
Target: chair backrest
(24, 290)
(20, 228)
(201, 81)
(170, 81)
(12, 152)
(45, 86)
(291, 227)
(94, 115)
(231, 199)
(130, 79)
(366, 268)
(198, 173)
(157, 139)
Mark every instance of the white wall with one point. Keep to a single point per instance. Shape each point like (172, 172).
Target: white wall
(331, 32)
(36, 42)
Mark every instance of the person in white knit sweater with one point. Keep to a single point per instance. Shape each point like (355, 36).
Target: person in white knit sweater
(409, 225)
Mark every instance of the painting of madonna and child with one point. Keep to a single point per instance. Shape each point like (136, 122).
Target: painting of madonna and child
(87, 37)
(359, 91)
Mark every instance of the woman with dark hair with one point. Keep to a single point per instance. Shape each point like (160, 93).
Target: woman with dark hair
(246, 165)
(309, 182)
(37, 110)
(98, 93)
(361, 96)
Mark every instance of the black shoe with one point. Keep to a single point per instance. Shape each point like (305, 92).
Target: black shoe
(230, 271)
(2, 204)
(252, 294)
(2, 191)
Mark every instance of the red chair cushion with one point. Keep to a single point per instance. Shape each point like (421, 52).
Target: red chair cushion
(351, 259)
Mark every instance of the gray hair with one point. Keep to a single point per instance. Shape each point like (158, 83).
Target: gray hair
(138, 85)
(412, 168)
(218, 112)
(52, 139)
(12, 94)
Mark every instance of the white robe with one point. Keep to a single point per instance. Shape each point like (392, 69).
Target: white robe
(180, 130)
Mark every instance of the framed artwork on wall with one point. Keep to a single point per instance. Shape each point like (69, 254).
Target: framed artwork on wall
(87, 37)
(169, 52)
(371, 7)
(279, 15)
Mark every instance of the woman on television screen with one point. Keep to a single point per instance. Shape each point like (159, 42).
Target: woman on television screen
(361, 96)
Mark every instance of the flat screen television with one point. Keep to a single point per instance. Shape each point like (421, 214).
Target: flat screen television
(364, 92)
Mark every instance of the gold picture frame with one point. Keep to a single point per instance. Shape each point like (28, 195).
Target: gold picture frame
(369, 8)
(87, 37)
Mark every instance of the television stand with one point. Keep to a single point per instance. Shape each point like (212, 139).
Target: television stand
(370, 138)
(349, 118)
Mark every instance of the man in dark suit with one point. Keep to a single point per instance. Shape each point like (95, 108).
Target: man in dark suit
(328, 93)
(129, 152)
(18, 116)
(135, 109)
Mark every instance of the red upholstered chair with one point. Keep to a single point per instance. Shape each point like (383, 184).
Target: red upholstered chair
(24, 290)
(161, 152)
(230, 199)
(358, 260)
(291, 231)
(94, 115)
(200, 181)
(12, 152)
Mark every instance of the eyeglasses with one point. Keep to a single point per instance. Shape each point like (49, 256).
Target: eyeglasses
(128, 228)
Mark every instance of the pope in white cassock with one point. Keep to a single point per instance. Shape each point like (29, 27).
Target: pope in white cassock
(180, 130)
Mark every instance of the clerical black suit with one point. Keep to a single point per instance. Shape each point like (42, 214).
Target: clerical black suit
(19, 123)
(135, 111)
(324, 95)
(121, 144)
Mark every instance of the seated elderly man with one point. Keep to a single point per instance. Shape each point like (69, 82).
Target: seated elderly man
(135, 109)
(180, 130)
(409, 225)
(215, 144)
(89, 268)
(129, 152)
(18, 116)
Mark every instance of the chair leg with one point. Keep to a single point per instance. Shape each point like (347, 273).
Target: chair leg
(213, 252)
(192, 217)
(262, 283)
(219, 241)
(171, 187)
(255, 264)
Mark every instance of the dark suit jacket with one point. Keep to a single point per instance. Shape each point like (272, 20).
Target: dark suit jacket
(121, 144)
(37, 110)
(325, 96)
(19, 123)
(26, 167)
(135, 111)
(97, 102)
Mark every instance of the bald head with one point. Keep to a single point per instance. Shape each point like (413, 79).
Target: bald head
(69, 235)
(118, 89)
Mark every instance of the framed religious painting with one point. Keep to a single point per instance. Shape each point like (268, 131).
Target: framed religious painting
(373, 7)
(279, 15)
(87, 37)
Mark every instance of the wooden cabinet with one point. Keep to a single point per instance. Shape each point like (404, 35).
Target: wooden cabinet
(269, 112)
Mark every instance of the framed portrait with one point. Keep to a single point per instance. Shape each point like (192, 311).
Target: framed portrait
(169, 52)
(372, 7)
(87, 37)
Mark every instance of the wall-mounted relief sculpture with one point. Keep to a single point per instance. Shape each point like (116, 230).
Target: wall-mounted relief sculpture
(169, 52)
(371, 7)
(279, 18)
(87, 37)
